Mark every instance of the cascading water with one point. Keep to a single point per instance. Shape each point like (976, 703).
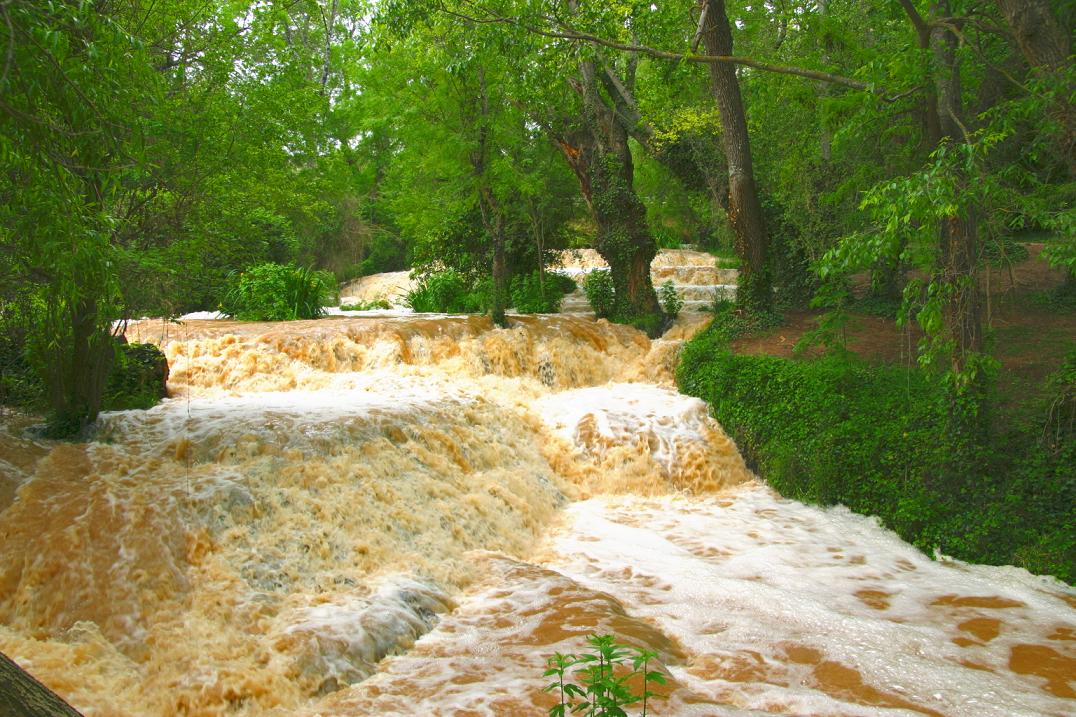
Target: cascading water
(407, 515)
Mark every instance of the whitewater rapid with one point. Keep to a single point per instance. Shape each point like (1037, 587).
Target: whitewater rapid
(406, 515)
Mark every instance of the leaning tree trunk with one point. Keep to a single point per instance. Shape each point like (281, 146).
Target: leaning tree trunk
(755, 290)
(23, 696)
(703, 166)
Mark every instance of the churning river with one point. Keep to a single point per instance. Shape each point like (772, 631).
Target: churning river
(405, 515)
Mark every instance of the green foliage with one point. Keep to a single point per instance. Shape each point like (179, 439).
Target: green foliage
(1004, 252)
(387, 252)
(881, 440)
(533, 295)
(730, 323)
(671, 303)
(603, 676)
(367, 305)
(449, 292)
(598, 286)
(138, 379)
(277, 292)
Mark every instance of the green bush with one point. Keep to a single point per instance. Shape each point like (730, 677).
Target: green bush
(598, 286)
(139, 378)
(386, 252)
(671, 302)
(367, 305)
(277, 292)
(450, 292)
(20, 384)
(879, 440)
(533, 295)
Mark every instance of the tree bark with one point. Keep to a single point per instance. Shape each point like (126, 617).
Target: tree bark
(599, 154)
(23, 696)
(755, 290)
(1046, 45)
(624, 239)
(929, 110)
(959, 240)
(492, 216)
(703, 169)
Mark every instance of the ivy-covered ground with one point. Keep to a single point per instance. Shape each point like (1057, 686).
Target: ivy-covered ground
(867, 428)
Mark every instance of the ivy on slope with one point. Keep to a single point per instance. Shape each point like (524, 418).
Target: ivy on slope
(874, 438)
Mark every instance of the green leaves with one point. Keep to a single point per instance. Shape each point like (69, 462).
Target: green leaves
(276, 292)
(671, 303)
(598, 287)
(603, 675)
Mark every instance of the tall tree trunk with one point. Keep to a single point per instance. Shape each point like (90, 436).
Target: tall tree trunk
(492, 216)
(705, 161)
(755, 290)
(624, 239)
(959, 239)
(600, 156)
(493, 220)
(1046, 45)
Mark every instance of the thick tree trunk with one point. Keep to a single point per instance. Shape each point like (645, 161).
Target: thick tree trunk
(755, 290)
(624, 239)
(23, 696)
(605, 172)
(1040, 35)
(929, 109)
(1046, 45)
(600, 156)
(702, 166)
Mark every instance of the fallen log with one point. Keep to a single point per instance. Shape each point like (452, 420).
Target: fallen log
(23, 696)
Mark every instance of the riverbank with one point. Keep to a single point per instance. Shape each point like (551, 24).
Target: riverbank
(869, 430)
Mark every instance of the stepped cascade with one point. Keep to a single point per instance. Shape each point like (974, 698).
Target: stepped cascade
(698, 277)
(405, 515)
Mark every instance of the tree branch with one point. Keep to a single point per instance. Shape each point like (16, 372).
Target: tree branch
(568, 33)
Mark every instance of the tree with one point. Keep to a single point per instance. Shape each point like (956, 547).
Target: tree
(471, 184)
(72, 131)
(596, 148)
(755, 287)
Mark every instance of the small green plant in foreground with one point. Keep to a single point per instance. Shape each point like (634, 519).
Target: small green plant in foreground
(604, 673)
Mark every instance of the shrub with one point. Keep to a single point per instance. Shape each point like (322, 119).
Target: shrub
(386, 252)
(880, 440)
(139, 378)
(367, 305)
(277, 292)
(450, 292)
(601, 691)
(533, 295)
(598, 286)
(671, 302)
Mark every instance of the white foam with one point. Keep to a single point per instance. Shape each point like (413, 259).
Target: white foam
(754, 573)
(203, 316)
(624, 412)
